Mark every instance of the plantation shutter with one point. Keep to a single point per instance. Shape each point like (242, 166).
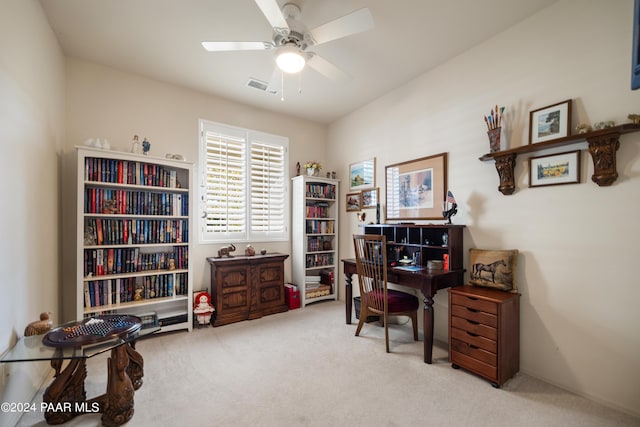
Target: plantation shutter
(244, 185)
(225, 200)
(267, 188)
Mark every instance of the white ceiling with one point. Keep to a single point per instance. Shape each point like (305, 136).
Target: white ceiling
(161, 39)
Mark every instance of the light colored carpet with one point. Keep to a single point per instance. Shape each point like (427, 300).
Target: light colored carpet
(306, 368)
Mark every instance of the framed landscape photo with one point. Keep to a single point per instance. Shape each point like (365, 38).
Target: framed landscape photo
(555, 169)
(362, 175)
(549, 123)
(417, 188)
(370, 198)
(354, 202)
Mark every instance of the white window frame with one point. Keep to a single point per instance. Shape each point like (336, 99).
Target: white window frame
(249, 141)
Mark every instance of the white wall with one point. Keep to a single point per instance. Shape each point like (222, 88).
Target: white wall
(31, 133)
(107, 103)
(577, 269)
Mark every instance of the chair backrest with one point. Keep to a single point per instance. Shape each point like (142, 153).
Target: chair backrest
(371, 262)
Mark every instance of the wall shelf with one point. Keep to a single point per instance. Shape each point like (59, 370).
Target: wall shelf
(603, 145)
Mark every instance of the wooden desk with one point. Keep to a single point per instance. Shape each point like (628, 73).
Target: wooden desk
(427, 281)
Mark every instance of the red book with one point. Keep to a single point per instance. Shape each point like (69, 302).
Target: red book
(120, 172)
(99, 230)
(125, 232)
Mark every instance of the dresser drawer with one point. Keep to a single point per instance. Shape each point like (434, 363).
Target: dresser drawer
(473, 339)
(474, 315)
(474, 327)
(474, 352)
(474, 303)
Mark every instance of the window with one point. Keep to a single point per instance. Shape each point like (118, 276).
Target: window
(244, 185)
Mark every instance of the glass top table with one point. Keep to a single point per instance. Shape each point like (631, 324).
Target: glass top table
(65, 397)
(31, 349)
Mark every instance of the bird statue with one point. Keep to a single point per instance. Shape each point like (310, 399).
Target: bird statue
(39, 327)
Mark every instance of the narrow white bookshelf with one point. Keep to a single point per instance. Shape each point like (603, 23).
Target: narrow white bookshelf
(315, 238)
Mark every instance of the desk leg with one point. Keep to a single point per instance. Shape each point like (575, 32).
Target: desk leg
(348, 296)
(428, 328)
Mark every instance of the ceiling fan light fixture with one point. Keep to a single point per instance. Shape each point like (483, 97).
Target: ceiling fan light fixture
(290, 59)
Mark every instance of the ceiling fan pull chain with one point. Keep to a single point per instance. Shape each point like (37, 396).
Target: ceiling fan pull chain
(299, 83)
(282, 86)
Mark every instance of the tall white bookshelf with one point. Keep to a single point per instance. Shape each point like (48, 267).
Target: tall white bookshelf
(315, 238)
(133, 237)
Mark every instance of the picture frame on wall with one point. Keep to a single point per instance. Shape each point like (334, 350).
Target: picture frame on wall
(354, 202)
(362, 175)
(416, 189)
(370, 198)
(555, 169)
(551, 122)
(635, 56)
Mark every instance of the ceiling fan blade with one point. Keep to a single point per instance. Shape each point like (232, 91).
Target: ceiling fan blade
(356, 22)
(326, 68)
(271, 10)
(231, 46)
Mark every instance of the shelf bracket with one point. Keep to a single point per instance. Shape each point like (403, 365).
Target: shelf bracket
(505, 165)
(603, 150)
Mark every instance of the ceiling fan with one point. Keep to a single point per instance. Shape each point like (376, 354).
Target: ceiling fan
(291, 38)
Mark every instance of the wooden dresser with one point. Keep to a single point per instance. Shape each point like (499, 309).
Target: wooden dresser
(247, 287)
(484, 332)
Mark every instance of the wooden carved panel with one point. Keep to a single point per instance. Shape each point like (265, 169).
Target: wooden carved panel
(233, 278)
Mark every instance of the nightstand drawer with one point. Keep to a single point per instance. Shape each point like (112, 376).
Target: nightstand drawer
(475, 352)
(473, 339)
(474, 327)
(474, 315)
(474, 303)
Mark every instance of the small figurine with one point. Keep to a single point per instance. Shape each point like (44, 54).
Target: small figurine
(202, 307)
(172, 264)
(263, 251)
(135, 145)
(298, 169)
(604, 125)
(583, 128)
(448, 213)
(146, 146)
(226, 251)
(109, 207)
(39, 327)
(635, 118)
(249, 251)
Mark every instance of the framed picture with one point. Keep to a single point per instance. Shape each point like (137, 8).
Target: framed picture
(354, 202)
(548, 123)
(362, 175)
(370, 198)
(555, 169)
(635, 57)
(416, 189)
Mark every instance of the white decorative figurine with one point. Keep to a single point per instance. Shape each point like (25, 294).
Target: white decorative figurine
(135, 145)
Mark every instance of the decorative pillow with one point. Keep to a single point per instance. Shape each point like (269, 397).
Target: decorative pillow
(493, 268)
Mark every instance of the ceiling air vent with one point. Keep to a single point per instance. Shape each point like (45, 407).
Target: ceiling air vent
(260, 85)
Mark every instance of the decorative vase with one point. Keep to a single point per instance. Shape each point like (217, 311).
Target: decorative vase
(494, 139)
(311, 171)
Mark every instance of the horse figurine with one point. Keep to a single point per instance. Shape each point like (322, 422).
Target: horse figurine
(491, 268)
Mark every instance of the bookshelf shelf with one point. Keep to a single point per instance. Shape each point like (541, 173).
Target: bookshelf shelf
(315, 242)
(133, 234)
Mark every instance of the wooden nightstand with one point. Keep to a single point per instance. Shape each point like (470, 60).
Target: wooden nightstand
(484, 332)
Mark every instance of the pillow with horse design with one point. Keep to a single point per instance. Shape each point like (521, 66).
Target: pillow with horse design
(493, 268)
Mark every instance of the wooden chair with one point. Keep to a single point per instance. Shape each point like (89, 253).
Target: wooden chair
(375, 297)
